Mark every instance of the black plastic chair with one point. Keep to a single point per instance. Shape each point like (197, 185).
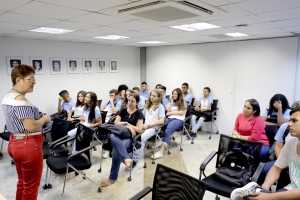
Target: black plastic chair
(4, 136)
(226, 144)
(62, 115)
(172, 184)
(99, 103)
(213, 116)
(81, 160)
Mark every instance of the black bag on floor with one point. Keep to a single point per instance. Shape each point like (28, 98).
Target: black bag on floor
(236, 168)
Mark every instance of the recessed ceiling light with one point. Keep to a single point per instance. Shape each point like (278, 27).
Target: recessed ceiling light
(236, 34)
(111, 37)
(195, 27)
(51, 30)
(152, 42)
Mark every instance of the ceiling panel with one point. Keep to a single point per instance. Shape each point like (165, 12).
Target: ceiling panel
(98, 19)
(281, 15)
(292, 29)
(272, 35)
(8, 5)
(7, 31)
(162, 30)
(214, 2)
(48, 11)
(252, 27)
(25, 19)
(135, 25)
(215, 31)
(106, 30)
(13, 26)
(28, 34)
(72, 25)
(266, 31)
(286, 23)
(237, 21)
(136, 34)
(263, 6)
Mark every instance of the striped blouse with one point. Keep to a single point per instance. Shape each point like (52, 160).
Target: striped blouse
(15, 110)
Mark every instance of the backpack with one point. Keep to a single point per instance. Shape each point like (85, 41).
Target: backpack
(235, 168)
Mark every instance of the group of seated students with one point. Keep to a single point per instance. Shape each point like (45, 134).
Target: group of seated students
(142, 110)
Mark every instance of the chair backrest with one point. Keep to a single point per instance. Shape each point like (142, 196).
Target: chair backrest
(227, 143)
(192, 103)
(60, 128)
(188, 110)
(172, 184)
(84, 137)
(214, 106)
(62, 115)
(271, 132)
(99, 103)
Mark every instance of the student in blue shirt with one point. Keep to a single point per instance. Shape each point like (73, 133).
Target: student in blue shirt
(204, 104)
(121, 91)
(113, 106)
(65, 102)
(141, 104)
(145, 92)
(187, 97)
(165, 100)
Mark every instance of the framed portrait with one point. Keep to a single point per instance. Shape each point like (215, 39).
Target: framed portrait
(13, 61)
(87, 64)
(56, 66)
(101, 65)
(37, 64)
(72, 64)
(113, 65)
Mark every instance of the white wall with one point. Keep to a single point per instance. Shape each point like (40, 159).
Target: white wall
(45, 95)
(235, 71)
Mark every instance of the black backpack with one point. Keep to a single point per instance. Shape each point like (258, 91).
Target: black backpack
(235, 168)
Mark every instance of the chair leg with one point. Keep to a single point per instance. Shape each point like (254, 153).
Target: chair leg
(45, 187)
(216, 128)
(65, 180)
(1, 154)
(211, 123)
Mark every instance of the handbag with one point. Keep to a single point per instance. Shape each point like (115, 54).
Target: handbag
(118, 130)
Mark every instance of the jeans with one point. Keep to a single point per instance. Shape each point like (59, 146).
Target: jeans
(264, 153)
(28, 157)
(265, 171)
(196, 126)
(173, 125)
(119, 154)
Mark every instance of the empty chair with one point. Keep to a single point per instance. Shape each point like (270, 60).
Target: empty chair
(213, 116)
(172, 184)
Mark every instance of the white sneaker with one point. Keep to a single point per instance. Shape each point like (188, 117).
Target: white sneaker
(244, 192)
(105, 154)
(157, 155)
(157, 144)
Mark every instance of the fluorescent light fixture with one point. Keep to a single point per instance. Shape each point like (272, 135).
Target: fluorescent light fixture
(152, 42)
(51, 30)
(111, 37)
(195, 27)
(236, 34)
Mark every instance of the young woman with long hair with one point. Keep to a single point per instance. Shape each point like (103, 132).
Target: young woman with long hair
(175, 114)
(78, 108)
(127, 95)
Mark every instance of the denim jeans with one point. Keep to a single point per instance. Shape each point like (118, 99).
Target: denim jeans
(196, 126)
(173, 125)
(264, 153)
(28, 157)
(265, 171)
(119, 154)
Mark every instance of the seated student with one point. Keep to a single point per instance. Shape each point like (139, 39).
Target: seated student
(112, 106)
(204, 104)
(288, 157)
(249, 126)
(65, 102)
(158, 86)
(175, 114)
(132, 118)
(154, 113)
(279, 110)
(145, 92)
(141, 106)
(187, 97)
(121, 91)
(127, 95)
(78, 108)
(91, 115)
(163, 90)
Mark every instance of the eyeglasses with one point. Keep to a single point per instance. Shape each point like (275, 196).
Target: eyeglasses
(32, 79)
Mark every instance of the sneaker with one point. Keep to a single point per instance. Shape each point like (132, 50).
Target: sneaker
(245, 192)
(157, 144)
(105, 154)
(192, 136)
(157, 155)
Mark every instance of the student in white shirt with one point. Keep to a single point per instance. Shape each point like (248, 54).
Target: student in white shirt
(78, 108)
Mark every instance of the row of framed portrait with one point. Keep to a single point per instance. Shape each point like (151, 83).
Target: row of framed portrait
(73, 65)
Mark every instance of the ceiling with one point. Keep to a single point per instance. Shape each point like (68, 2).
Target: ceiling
(264, 19)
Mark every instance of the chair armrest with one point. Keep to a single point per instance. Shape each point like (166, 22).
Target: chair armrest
(51, 145)
(142, 193)
(187, 118)
(207, 160)
(79, 152)
(214, 111)
(258, 172)
(62, 142)
(137, 136)
(46, 130)
(160, 126)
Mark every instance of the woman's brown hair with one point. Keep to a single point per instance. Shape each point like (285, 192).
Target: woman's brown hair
(21, 71)
(179, 101)
(155, 105)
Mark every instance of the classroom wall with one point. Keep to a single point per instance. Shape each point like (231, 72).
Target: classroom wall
(235, 72)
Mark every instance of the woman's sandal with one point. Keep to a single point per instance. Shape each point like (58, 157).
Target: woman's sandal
(107, 182)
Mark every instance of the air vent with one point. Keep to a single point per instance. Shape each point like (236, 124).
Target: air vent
(165, 11)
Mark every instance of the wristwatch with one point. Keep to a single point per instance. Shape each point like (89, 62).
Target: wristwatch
(125, 123)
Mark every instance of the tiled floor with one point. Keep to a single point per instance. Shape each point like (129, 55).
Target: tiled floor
(187, 161)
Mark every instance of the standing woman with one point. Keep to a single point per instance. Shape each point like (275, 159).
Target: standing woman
(25, 123)
(132, 118)
(175, 114)
(78, 108)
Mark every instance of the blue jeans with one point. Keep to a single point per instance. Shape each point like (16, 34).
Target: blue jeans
(119, 154)
(264, 153)
(265, 171)
(173, 125)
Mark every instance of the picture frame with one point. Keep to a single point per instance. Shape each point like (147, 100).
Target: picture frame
(37, 64)
(88, 65)
(113, 66)
(101, 65)
(56, 66)
(12, 61)
(72, 65)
